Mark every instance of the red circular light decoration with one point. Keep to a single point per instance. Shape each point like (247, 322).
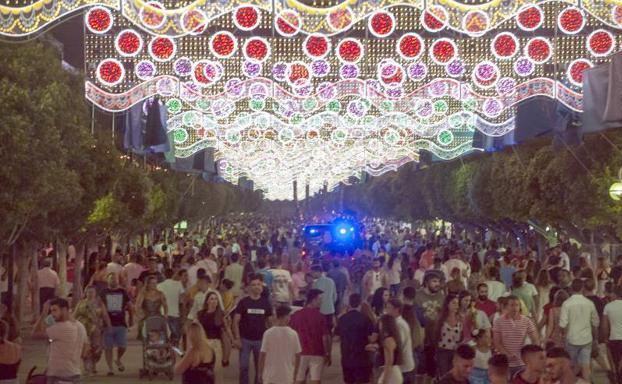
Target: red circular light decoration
(410, 46)
(128, 43)
(316, 46)
(381, 24)
(98, 20)
(505, 45)
(298, 73)
(256, 49)
(576, 69)
(162, 48)
(350, 50)
(530, 17)
(110, 72)
(443, 51)
(571, 20)
(223, 44)
(600, 43)
(246, 17)
(288, 23)
(434, 18)
(539, 50)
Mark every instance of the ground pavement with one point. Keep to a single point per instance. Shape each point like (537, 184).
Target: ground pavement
(35, 353)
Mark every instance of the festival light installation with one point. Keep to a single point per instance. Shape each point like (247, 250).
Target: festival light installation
(320, 91)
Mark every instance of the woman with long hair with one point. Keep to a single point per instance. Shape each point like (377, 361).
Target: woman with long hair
(553, 331)
(216, 326)
(543, 286)
(92, 313)
(448, 333)
(603, 275)
(379, 300)
(472, 318)
(150, 302)
(394, 274)
(197, 364)
(390, 356)
(10, 356)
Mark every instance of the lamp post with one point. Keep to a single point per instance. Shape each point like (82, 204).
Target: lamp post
(615, 190)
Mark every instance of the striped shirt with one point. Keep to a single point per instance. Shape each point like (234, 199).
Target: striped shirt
(512, 333)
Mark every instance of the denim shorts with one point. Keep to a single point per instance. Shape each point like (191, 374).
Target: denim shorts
(115, 337)
(580, 354)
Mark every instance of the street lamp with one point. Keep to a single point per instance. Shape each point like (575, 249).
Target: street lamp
(615, 190)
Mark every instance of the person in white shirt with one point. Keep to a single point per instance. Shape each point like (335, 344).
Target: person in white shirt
(173, 291)
(49, 282)
(279, 357)
(210, 267)
(374, 279)
(456, 261)
(496, 288)
(612, 328)
(407, 366)
(579, 321)
(282, 285)
(116, 267)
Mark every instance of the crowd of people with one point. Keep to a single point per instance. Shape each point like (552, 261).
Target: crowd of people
(405, 307)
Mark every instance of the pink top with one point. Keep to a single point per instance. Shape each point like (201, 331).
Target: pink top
(47, 278)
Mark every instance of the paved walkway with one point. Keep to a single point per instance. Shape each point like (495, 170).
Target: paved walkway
(35, 354)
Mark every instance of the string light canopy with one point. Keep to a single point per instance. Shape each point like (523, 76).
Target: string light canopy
(320, 91)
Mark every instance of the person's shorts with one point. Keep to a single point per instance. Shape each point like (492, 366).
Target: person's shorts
(115, 337)
(357, 374)
(311, 367)
(174, 325)
(580, 354)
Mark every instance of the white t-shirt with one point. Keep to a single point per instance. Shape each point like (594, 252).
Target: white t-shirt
(613, 311)
(65, 351)
(280, 344)
(496, 289)
(408, 363)
(210, 267)
(172, 290)
(565, 261)
(281, 279)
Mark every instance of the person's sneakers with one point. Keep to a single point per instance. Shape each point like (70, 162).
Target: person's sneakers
(120, 366)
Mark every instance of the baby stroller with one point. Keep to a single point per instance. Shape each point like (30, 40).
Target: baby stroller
(158, 356)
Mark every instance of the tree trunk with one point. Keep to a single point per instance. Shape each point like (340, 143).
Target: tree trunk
(35, 281)
(61, 255)
(22, 287)
(77, 274)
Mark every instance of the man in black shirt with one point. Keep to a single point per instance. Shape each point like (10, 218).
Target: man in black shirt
(250, 320)
(117, 303)
(462, 366)
(355, 331)
(152, 271)
(616, 271)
